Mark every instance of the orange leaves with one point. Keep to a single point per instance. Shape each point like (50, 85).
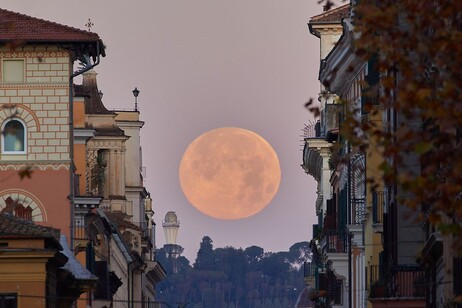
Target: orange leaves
(423, 93)
(314, 110)
(423, 147)
(418, 117)
(25, 173)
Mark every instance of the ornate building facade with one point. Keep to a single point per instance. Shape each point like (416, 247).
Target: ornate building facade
(69, 163)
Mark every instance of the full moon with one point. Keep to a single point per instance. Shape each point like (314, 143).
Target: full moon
(230, 173)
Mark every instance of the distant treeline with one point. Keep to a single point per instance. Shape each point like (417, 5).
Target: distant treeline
(229, 277)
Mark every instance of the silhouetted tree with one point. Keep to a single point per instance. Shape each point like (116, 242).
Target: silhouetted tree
(229, 277)
(205, 259)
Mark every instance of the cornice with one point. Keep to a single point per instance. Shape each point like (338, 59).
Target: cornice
(34, 54)
(112, 143)
(34, 165)
(336, 68)
(34, 85)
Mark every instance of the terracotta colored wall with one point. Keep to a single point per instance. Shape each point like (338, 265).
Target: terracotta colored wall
(30, 294)
(79, 113)
(83, 299)
(79, 161)
(51, 187)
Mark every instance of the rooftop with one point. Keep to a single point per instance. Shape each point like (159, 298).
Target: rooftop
(16, 26)
(333, 15)
(15, 227)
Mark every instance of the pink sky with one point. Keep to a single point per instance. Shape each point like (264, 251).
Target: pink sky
(202, 65)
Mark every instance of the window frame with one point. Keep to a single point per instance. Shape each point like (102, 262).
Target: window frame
(4, 72)
(3, 299)
(3, 137)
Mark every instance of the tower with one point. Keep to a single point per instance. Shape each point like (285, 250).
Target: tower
(171, 224)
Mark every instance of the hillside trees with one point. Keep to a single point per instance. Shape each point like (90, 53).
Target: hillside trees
(235, 277)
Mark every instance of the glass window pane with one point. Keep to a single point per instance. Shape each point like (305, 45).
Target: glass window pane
(13, 135)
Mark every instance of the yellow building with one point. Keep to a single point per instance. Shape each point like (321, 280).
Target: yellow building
(37, 268)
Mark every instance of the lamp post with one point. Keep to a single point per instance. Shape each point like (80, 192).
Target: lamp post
(136, 92)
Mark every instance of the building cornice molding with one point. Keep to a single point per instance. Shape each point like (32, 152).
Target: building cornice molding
(28, 85)
(34, 165)
(336, 67)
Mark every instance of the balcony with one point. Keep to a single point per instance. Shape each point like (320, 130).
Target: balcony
(312, 130)
(336, 241)
(358, 207)
(318, 137)
(316, 152)
(379, 199)
(403, 286)
(80, 236)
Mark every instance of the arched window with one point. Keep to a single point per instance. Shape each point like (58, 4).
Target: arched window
(14, 137)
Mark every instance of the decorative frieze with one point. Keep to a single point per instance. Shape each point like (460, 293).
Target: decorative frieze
(37, 56)
(37, 165)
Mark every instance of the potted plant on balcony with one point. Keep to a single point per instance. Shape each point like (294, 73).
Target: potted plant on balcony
(378, 289)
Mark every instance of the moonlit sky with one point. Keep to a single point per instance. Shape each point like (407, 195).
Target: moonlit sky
(201, 65)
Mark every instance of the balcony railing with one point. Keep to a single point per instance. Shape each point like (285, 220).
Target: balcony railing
(312, 130)
(400, 281)
(358, 211)
(378, 206)
(407, 281)
(80, 229)
(336, 241)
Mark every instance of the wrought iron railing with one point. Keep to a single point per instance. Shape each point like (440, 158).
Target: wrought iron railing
(399, 281)
(407, 281)
(336, 241)
(312, 130)
(80, 230)
(358, 211)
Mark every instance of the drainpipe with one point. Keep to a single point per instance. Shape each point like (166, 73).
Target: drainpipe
(350, 284)
(87, 67)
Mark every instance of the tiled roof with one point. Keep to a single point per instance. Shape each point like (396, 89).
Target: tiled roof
(15, 227)
(20, 27)
(334, 15)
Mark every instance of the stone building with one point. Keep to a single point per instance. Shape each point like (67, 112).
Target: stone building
(66, 159)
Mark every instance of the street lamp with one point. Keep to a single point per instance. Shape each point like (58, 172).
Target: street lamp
(136, 92)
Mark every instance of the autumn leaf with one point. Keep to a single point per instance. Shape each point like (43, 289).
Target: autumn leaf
(25, 173)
